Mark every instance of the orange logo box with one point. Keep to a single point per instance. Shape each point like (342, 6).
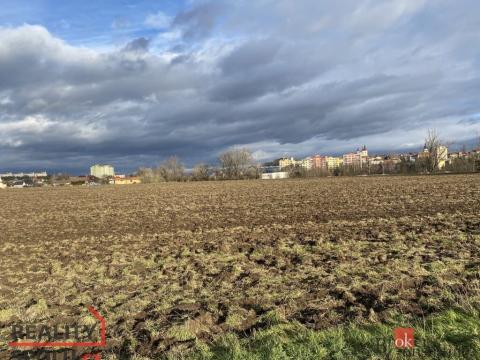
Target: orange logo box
(404, 338)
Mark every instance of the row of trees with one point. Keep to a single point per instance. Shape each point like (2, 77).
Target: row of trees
(234, 164)
(170, 170)
(389, 167)
(240, 164)
(434, 153)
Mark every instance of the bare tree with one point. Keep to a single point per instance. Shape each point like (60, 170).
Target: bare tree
(238, 164)
(476, 155)
(172, 169)
(147, 175)
(295, 171)
(200, 172)
(432, 146)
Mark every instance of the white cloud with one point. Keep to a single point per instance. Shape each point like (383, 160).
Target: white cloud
(5, 100)
(35, 124)
(373, 15)
(160, 20)
(120, 23)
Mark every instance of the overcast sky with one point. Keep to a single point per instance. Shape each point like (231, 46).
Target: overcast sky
(133, 82)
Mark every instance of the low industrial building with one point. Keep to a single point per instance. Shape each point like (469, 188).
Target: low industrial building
(275, 175)
(19, 185)
(127, 180)
(24, 174)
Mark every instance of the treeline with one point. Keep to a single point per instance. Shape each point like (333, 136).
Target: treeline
(405, 166)
(235, 164)
(390, 167)
(433, 155)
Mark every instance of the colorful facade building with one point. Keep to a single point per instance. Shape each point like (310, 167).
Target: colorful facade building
(319, 162)
(357, 159)
(326, 162)
(333, 162)
(316, 161)
(286, 162)
(290, 162)
(306, 163)
(351, 159)
(442, 156)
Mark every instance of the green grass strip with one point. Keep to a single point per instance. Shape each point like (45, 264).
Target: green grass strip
(453, 334)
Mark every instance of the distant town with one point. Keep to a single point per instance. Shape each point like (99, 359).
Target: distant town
(99, 175)
(239, 164)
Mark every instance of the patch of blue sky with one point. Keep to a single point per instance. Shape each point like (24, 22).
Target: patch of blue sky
(90, 23)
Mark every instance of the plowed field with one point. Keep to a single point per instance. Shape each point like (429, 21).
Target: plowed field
(175, 264)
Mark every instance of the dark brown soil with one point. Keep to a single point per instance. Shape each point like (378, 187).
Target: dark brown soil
(170, 263)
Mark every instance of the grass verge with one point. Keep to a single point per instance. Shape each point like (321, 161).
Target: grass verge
(453, 334)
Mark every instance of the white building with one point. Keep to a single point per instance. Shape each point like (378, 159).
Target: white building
(22, 174)
(275, 175)
(19, 185)
(376, 160)
(101, 171)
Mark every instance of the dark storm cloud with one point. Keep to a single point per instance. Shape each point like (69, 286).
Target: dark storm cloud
(260, 67)
(140, 44)
(249, 56)
(273, 74)
(199, 21)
